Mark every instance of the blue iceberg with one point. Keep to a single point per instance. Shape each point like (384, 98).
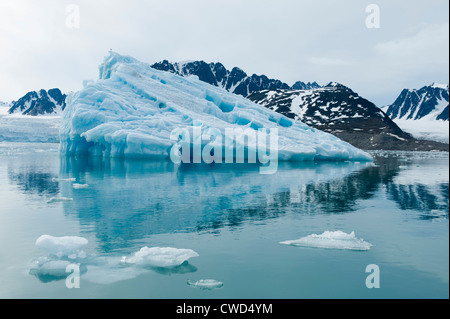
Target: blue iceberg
(133, 109)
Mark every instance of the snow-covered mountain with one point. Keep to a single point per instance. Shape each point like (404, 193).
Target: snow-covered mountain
(235, 81)
(424, 112)
(340, 111)
(429, 102)
(39, 103)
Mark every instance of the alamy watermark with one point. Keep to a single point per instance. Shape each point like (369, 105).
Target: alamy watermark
(235, 145)
(73, 16)
(73, 279)
(373, 19)
(373, 280)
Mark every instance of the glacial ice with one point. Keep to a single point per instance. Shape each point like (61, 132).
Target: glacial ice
(331, 240)
(45, 266)
(207, 284)
(62, 246)
(132, 110)
(62, 252)
(163, 257)
(26, 128)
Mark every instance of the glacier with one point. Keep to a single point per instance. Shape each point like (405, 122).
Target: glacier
(28, 129)
(131, 110)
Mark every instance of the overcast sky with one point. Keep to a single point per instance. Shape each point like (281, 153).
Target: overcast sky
(313, 40)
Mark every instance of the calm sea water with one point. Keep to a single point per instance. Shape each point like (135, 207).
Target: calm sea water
(234, 218)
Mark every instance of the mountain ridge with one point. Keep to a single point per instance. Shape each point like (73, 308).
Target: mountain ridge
(39, 103)
(235, 80)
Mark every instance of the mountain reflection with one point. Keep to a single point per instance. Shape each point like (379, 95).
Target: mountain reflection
(32, 181)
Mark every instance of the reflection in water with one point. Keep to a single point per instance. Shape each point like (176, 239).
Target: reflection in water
(128, 200)
(32, 181)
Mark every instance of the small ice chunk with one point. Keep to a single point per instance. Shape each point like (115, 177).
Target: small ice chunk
(331, 240)
(54, 268)
(207, 284)
(59, 199)
(63, 179)
(80, 186)
(160, 257)
(62, 246)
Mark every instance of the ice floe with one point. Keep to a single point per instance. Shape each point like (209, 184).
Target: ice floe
(331, 240)
(160, 256)
(61, 246)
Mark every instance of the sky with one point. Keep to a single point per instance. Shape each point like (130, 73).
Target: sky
(54, 43)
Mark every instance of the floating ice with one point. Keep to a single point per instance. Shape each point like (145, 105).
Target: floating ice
(47, 267)
(132, 110)
(331, 240)
(62, 246)
(160, 257)
(80, 186)
(207, 284)
(59, 199)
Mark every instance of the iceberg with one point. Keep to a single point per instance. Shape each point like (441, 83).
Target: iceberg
(132, 109)
(164, 257)
(331, 240)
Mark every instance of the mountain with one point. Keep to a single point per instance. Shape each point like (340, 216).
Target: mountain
(337, 109)
(235, 81)
(424, 112)
(134, 110)
(429, 102)
(39, 103)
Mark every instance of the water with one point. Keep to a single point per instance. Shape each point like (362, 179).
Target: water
(234, 218)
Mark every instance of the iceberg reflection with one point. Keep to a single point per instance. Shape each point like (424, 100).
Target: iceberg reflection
(130, 199)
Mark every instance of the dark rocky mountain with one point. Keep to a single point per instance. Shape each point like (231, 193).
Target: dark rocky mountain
(338, 110)
(39, 103)
(430, 102)
(235, 81)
